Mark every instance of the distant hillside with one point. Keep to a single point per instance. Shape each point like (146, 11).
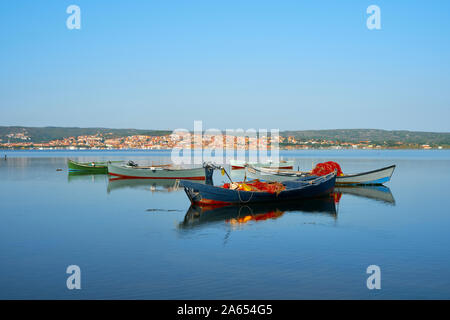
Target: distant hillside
(45, 134)
(382, 137)
(374, 135)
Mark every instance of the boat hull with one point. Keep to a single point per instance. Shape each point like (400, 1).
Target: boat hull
(129, 172)
(240, 168)
(284, 164)
(94, 167)
(212, 195)
(375, 177)
(272, 175)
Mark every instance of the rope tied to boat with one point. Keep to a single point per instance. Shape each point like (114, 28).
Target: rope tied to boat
(242, 201)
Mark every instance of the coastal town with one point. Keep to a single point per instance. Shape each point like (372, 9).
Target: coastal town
(169, 141)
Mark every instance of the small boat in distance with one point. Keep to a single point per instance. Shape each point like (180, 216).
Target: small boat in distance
(133, 171)
(88, 167)
(205, 194)
(374, 177)
(282, 164)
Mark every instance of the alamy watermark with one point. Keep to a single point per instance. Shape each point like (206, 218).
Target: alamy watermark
(213, 145)
(74, 20)
(74, 280)
(374, 20)
(374, 280)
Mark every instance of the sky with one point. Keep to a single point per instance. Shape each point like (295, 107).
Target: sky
(288, 65)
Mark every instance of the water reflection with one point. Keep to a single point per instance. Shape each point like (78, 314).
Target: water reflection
(198, 216)
(153, 185)
(85, 177)
(378, 193)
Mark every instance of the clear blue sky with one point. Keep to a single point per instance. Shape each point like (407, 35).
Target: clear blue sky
(233, 64)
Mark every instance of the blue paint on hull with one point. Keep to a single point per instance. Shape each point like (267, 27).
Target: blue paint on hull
(373, 182)
(295, 190)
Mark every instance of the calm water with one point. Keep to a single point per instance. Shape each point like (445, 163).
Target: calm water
(137, 239)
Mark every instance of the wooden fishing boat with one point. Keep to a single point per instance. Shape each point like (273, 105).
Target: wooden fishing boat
(87, 167)
(267, 174)
(198, 216)
(282, 164)
(374, 177)
(293, 190)
(154, 172)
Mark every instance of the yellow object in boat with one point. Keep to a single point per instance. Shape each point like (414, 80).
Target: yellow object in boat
(222, 171)
(244, 187)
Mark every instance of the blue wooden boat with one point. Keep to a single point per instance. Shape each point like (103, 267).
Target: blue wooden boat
(206, 194)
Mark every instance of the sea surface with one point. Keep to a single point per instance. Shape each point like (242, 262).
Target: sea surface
(141, 240)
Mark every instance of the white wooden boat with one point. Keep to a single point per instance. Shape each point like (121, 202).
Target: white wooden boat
(155, 172)
(373, 177)
(282, 164)
(378, 176)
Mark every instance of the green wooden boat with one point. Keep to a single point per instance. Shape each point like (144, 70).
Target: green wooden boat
(90, 167)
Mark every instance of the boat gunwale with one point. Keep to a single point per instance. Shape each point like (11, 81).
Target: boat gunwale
(367, 172)
(278, 173)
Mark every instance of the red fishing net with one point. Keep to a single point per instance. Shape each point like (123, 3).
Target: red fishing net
(273, 187)
(256, 185)
(324, 168)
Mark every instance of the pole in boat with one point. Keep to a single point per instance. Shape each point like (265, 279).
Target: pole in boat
(225, 171)
(209, 169)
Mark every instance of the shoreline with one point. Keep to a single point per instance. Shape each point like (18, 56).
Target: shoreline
(247, 150)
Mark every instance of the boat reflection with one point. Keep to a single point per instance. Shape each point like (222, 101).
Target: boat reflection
(198, 216)
(378, 193)
(153, 185)
(85, 177)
